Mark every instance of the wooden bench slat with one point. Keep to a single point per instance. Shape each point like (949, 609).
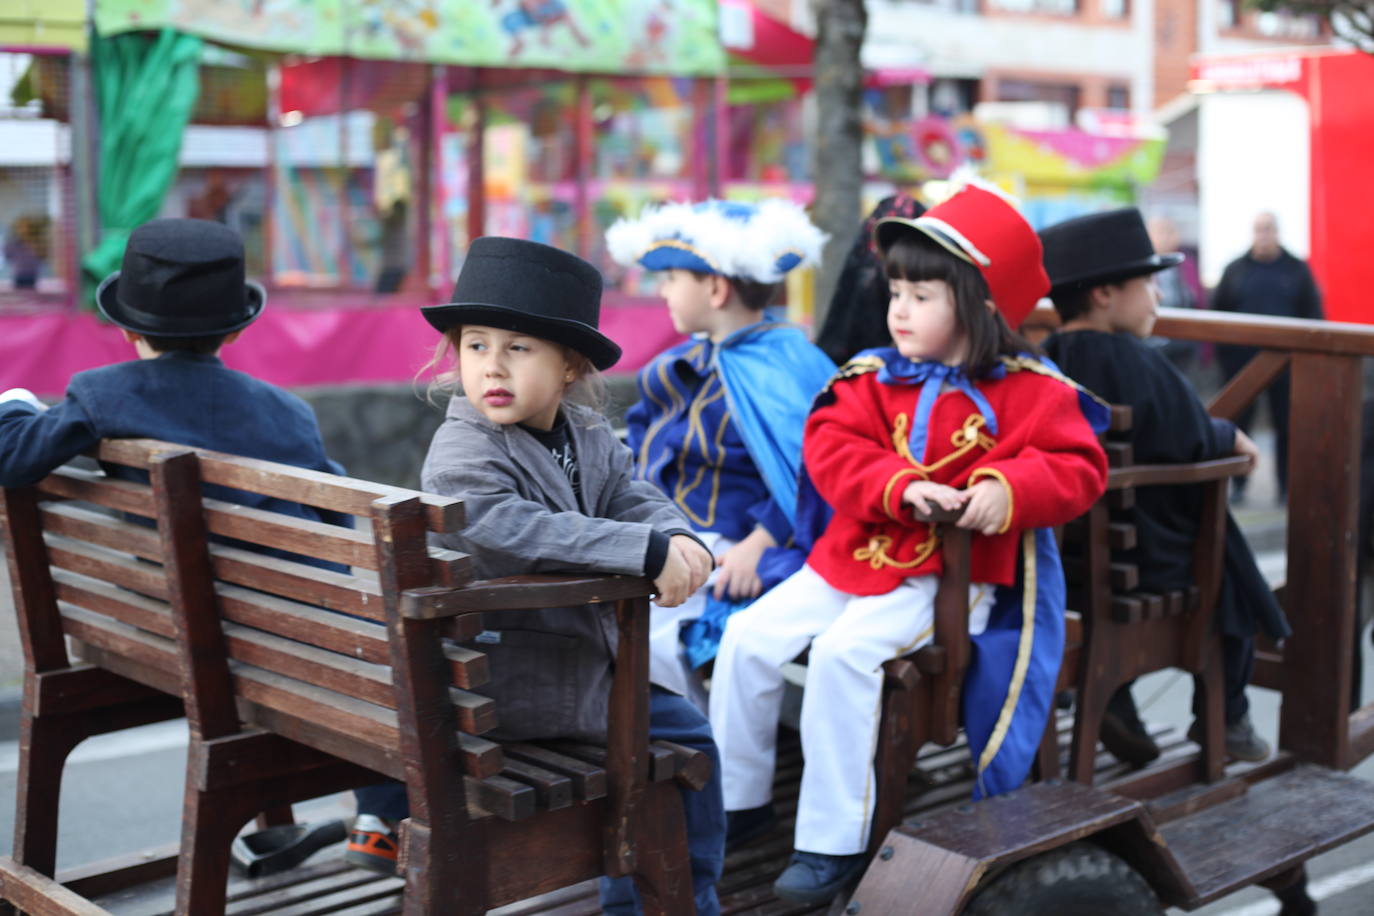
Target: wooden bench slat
(500, 797)
(469, 667)
(552, 790)
(117, 534)
(346, 715)
(120, 604)
(339, 713)
(361, 639)
(316, 488)
(287, 532)
(1119, 454)
(588, 781)
(94, 487)
(310, 585)
(107, 566)
(139, 646)
(521, 593)
(352, 676)
(662, 765)
(476, 714)
(1121, 536)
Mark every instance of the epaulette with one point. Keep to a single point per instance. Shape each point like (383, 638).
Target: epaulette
(1030, 364)
(861, 365)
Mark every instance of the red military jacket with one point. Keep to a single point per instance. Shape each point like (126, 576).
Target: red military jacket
(857, 455)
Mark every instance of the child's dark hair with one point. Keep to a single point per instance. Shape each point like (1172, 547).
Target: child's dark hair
(205, 346)
(753, 294)
(1075, 301)
(914, 258)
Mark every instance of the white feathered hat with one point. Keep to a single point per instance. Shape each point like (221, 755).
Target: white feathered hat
(759, 242)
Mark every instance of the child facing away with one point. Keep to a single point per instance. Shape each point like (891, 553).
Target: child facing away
(1100, 266)
(179, 297)
(956, 413)
(718, 424)
(549, 488)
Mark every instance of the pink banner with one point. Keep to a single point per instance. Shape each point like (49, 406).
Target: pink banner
(290, 347)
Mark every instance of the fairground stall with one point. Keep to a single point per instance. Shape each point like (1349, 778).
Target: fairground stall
(359, 146)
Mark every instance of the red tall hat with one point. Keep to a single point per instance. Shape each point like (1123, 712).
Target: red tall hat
(980, 225)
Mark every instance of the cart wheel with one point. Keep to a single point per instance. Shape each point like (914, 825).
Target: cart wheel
(1078, 880)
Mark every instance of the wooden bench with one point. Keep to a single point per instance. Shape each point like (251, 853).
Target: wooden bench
(1113, 631)
(299, 681)
(1128, 632)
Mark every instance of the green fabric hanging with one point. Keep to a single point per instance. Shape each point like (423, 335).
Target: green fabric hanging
(145, 86)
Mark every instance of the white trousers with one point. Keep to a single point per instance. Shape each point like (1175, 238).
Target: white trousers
(850, 638)
(668, 666)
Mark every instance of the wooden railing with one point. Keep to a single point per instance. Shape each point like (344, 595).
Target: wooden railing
(1314, 669)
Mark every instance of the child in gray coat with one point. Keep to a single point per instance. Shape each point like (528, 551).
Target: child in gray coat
(548, 488)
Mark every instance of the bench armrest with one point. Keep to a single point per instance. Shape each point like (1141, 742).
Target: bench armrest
(521, 593)
(1148, 475)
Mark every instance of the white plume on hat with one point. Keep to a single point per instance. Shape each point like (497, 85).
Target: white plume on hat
(747, 246)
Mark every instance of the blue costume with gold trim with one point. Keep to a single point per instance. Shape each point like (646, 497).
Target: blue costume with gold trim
(718, 428)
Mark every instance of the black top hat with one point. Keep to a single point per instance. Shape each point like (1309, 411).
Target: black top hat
(1101, 248)
(181, 278)
(531, 289)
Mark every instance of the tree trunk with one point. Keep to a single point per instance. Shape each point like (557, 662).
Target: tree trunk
(840, 27)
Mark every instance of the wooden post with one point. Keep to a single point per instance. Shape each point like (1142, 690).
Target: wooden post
(422, 141)
(443, 849)
(720, 147)
(442, 279)
(208, 690)
(1323, 495)
(584, 155)
(269, 207)
(477, 200)
(627, 744)
(702, 132)
(345, 239)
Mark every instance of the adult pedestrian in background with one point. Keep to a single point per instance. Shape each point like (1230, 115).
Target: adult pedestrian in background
(1266, 280)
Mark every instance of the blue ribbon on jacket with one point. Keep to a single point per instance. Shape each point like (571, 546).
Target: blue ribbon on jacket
(932, 377)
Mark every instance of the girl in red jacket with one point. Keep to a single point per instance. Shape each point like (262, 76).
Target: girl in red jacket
(957, 413)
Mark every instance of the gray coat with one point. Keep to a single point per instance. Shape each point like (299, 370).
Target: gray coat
(550, 669)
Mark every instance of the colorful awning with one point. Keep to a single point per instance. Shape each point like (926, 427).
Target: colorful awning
(616, 36)
(42, 24)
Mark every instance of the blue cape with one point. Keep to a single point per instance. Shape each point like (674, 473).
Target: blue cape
(771, 374)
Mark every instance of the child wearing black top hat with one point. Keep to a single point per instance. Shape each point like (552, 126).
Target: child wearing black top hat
(179, 297)
(549, 488)
(1100, 269)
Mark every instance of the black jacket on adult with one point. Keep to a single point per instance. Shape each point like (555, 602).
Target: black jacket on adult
(1288, 291)
(1170, 425)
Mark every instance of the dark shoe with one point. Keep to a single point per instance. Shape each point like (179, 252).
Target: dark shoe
(814, 879)
(372, 845)
(748, 824)
(1242, 741)
(1127, 740)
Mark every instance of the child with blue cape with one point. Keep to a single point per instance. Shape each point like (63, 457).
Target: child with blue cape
(718, 427)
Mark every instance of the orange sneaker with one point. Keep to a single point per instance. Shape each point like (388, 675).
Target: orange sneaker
(372, 845)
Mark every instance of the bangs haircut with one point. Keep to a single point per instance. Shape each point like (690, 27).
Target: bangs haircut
(588, 388)
(914, 257)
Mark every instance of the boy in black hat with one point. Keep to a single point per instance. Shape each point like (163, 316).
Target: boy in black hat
(1100, 269)
(179, 297)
